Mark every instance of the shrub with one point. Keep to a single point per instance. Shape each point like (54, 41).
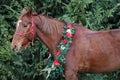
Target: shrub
(27, 65)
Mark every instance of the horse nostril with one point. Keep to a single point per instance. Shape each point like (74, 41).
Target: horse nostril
(14, 47)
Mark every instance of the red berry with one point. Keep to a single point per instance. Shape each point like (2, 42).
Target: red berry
(56, 63)
(64, 41)
(69, 35)
(58, 52)
(69, 26)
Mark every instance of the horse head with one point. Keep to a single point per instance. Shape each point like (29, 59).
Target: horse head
(25, 31)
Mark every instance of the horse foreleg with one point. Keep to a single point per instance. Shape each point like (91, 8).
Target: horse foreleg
(70, 75)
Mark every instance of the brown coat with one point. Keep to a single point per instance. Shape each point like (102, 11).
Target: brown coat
(91, 51)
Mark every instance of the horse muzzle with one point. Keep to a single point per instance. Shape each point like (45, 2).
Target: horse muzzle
(15, 47)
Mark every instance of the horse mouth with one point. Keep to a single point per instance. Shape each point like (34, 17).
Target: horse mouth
(17, 48)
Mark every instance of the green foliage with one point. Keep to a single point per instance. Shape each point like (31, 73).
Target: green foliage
(27, 65)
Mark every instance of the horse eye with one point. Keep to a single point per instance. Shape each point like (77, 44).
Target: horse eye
(25, 26)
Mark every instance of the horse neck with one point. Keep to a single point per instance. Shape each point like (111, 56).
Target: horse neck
(50, 32)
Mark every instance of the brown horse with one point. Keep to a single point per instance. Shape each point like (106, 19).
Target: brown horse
(91, 51)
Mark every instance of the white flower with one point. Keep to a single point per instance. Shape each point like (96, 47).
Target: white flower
(69, 31)
(62, 47)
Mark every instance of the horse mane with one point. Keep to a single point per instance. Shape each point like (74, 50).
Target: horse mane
(50, 25)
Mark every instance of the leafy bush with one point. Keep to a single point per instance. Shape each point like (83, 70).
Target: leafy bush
(27, 65)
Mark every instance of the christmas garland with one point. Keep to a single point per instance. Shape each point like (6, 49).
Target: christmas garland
(55, 67)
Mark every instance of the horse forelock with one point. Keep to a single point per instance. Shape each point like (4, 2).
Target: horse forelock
(18, 23)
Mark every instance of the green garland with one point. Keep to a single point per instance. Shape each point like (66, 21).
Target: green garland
(55, 67)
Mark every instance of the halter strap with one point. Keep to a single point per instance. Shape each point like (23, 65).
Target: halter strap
(32, 28)
(31, 31)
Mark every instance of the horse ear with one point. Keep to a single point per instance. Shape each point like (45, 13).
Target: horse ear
(29, 12)
(23, 11)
